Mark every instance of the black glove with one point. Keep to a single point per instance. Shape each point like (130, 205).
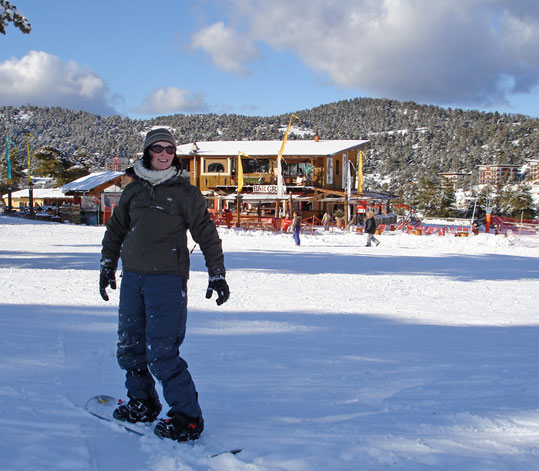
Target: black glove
(219, 284)
(107, 277)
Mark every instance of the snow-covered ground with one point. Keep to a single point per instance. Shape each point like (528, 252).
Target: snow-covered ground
(419, 354)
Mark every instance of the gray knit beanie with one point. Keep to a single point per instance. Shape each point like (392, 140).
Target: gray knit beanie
(156, 135)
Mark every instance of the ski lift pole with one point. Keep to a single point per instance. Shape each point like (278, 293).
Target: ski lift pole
(30, 183)
(473, 215)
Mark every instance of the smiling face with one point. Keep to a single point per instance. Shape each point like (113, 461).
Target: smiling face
(161, 160)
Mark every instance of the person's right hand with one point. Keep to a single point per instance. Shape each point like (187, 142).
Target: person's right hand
(218, 284)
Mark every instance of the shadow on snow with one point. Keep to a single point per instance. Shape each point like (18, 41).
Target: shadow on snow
(458, 267)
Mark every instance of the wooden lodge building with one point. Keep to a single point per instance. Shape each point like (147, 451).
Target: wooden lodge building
(317, 176)
(96, 195)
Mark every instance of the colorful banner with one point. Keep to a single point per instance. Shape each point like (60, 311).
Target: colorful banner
(286, 133)
(349, 167)
(239, 170)
(280, 186)
(360, 172)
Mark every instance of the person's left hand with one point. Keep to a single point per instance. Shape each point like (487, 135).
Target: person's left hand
(107, 276)
(219, 284)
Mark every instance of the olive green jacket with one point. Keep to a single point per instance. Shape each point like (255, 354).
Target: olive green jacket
(148, 229)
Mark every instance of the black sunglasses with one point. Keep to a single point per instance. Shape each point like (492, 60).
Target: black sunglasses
(158, 149)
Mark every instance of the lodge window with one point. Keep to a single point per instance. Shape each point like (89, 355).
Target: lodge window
(216, 168)
(186, 164)
(301, 169)
(215, 165)
(255, 165)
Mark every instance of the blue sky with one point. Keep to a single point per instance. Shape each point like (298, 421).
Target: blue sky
(267, 57)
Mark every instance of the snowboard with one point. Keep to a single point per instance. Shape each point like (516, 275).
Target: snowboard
(103, 406)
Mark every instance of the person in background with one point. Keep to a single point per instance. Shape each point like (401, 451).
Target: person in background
(296, 227)
(148, 230)
(326, 218)
(229, 217)
(370, 229)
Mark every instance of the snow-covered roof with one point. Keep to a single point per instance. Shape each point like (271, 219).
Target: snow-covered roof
(89, 182)
(483, 166)
(39, 193)
(270, 148)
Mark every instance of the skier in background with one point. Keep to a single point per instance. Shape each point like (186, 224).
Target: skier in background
(370, 229)
(326, 218)
(148, 230)
(296, 227)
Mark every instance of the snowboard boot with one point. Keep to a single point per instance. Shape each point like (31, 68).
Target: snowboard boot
(179, 427)
(137, 411)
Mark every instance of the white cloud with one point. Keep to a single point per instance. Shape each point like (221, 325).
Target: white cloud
(468, 52)
(172, 100)
(43, 79)
(229, 50)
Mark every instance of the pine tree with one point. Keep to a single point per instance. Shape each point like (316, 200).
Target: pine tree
(17, 175)
(427, 196)
(521, 202)
(447, 200)
(10, 14)
(52, 163)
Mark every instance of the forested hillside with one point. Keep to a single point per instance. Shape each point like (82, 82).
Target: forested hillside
(409, 141)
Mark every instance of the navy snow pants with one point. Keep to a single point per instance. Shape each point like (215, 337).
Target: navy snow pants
(297, 230)
(151, 328)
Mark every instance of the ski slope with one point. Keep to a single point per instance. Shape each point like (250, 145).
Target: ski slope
(419, 354)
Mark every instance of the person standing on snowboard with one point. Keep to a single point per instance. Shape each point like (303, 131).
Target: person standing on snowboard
(148, 231)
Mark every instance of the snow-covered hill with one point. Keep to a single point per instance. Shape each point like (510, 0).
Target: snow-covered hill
(419, 354)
